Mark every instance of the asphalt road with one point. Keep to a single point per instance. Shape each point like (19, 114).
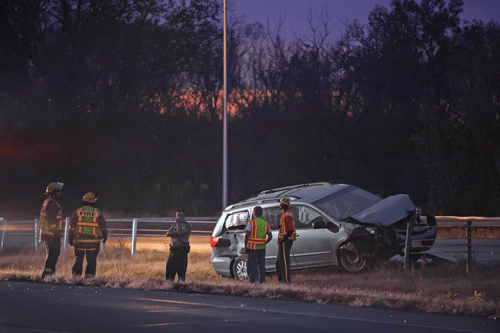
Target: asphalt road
(40, 307)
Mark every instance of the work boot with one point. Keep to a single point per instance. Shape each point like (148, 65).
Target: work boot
(46, 273)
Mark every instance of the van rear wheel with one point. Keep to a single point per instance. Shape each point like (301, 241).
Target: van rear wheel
(240, 269)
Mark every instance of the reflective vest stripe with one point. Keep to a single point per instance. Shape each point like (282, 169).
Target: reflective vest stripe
(257, 240)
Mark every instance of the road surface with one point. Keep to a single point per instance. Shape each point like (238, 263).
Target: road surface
(40, 307)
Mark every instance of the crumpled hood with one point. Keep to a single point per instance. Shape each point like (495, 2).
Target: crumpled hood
(388, 211)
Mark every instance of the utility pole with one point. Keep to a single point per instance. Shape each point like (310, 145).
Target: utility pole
(224, 158)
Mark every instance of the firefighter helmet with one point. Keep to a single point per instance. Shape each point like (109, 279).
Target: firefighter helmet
(52, 187)
(285, 200)
(89, 197)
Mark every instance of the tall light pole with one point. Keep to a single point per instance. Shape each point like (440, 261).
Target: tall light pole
(224, 158)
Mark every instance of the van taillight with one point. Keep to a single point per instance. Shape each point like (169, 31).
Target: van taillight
(214, 241)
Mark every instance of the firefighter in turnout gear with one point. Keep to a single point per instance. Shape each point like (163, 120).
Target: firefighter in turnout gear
(257, 235)
(51, 227)
(286, 236)
(87, 230)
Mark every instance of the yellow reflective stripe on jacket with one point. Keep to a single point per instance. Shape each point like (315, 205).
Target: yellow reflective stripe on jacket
(88, 224)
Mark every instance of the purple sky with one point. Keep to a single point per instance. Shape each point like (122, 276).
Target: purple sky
(295, 10)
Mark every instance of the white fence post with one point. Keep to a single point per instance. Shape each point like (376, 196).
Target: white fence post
(134, 235)
(4, 229)
(66, 232)
(36, 234)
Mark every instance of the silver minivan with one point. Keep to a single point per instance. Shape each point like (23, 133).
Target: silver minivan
(336, 225)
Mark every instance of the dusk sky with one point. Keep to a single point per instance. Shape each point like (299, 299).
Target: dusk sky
(296, 10)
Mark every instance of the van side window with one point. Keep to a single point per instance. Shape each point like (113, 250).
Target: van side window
(237, 221)
(304, 216)
(272, 215)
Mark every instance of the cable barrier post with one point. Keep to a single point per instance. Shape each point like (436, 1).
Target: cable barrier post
(4, 222)
(66, 232)
(134, 235)
(468, 245)
(409, 228)
(37, 231)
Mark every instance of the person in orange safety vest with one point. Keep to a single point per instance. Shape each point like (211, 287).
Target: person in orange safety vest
(257, 235)
(51, 227)
(286, 236)
(87, 230)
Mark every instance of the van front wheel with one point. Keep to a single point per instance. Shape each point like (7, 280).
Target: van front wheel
(352, 260)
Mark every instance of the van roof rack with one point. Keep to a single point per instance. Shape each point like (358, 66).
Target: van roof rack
(292, 187)
(264, 196)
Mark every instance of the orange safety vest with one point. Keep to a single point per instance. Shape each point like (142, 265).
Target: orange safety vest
(282, 232)
(88, 235)
(257, 238)
(48, 228)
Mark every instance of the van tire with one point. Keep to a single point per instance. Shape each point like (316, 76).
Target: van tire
(239, 269)
(352, 260)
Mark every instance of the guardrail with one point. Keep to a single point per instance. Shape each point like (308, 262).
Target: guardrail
(26, 233)
(457, 234)
(478, 222)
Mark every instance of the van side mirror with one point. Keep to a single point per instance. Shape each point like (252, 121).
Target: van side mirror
(319, 225)
(332, 227)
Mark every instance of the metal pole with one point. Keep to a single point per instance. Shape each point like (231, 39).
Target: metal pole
(3, 233)
(224, 158)
(409, 228)
(468, 246)
(66, 232)
(134, 235)
(37, 231)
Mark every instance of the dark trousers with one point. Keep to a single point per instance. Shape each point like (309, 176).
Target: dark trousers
(53, 249)
(283, 261)
(257, 265)
(91, 256)
(177, 264)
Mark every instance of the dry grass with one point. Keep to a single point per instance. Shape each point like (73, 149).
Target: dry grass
(441, 288)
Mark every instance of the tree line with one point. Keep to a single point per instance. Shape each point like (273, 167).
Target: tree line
(124, 98)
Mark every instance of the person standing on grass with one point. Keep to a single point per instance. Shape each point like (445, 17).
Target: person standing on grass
(177, 261)
(86, 231)
(51, 227)
(257, 235)
(286, 236)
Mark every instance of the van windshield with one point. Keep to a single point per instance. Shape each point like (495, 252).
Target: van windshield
(347, 202)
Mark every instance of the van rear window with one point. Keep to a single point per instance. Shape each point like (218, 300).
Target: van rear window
(237, 221)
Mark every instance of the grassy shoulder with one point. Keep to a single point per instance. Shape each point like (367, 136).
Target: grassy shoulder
(437, 288)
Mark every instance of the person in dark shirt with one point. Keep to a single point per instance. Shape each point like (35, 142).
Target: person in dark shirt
(177, 261)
